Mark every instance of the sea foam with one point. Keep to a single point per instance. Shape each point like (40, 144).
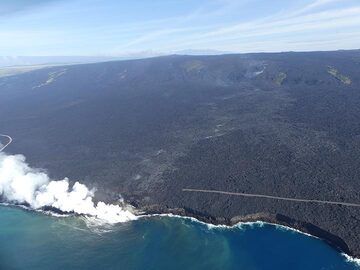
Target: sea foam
(352, 260)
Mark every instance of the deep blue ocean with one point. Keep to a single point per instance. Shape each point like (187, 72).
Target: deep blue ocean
(31, 240)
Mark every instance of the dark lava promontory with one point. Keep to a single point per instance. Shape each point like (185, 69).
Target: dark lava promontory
(285, 124)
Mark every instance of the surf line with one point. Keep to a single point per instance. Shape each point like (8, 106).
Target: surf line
(8, 143)
(268, 197)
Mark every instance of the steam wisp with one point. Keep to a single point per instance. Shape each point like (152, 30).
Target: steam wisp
(21, 184)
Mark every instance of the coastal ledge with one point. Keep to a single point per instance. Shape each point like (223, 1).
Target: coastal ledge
(276, 219)
(304, 227)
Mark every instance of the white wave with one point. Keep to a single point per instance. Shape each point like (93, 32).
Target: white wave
(21, 184)
(286, 228)
(238, 225)
(210, 226)
(251, 224)
(350, 259)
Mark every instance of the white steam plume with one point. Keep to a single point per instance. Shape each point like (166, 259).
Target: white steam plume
(24, 185)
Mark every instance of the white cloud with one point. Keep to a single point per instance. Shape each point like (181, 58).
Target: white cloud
(204, 27)
(269, 29)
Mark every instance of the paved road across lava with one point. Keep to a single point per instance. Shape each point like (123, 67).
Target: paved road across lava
(269, 197)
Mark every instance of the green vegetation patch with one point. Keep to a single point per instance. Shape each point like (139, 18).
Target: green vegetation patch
(194, 65)
(335, 73)
(10, 71)
(280, 78)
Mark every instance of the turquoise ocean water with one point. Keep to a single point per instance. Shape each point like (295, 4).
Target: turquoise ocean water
(31, 240)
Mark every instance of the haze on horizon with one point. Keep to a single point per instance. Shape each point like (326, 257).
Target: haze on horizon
(146, 28)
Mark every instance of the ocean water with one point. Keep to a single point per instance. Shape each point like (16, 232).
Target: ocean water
(32, 240)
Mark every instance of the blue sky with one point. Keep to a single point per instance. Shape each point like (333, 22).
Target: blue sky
(131, 27)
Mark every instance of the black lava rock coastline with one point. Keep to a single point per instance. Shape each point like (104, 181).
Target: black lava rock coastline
(279, 124)
(276, 219)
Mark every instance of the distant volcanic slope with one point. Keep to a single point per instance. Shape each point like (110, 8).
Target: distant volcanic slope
(283, 125)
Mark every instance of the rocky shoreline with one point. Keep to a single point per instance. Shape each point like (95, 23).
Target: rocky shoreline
(276, 219)
(203, 122)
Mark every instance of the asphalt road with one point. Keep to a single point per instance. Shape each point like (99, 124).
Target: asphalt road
(269, 197)
(8, 143)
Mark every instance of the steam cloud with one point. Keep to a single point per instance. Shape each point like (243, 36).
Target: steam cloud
(24, 185)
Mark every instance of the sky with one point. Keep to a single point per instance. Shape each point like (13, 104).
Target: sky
(150, 27)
